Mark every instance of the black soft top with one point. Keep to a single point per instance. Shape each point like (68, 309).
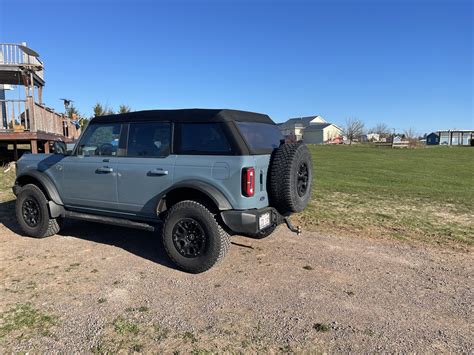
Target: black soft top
(186, 115)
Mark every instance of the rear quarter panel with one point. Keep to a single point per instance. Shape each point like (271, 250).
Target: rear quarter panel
(225, 173)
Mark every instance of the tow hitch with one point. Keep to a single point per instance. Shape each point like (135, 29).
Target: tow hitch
(291, 227)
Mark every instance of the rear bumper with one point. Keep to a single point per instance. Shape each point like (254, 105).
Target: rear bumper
(247, 221)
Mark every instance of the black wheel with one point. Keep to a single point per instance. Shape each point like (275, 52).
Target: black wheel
(193, 238)
(32, 213)
(263, 234)
(291, 175)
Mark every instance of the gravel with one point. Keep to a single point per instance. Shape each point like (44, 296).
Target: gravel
(315, 292)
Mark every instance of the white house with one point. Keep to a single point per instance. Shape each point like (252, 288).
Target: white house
(294, 127)
(373, 137)
(320, 133)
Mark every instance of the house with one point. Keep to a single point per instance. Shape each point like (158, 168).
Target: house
(321, 133)
(24, 119)
(373, 137)
(456, 137)
(311, 129)
(293, 128)
(432, 139)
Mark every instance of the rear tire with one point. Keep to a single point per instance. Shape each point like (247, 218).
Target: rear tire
(192, 237)
(291, 175)
(32, 213)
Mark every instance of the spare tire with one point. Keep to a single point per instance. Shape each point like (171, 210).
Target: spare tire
(290, 178)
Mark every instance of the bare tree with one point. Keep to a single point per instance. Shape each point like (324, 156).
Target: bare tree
(381, 129)
(410, 134)
(353, 128)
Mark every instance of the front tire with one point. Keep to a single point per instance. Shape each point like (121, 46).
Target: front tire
(32, 213)
(193, 238)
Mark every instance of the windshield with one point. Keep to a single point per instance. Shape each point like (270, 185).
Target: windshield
(261, 138)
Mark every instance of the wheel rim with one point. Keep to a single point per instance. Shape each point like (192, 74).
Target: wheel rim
(189, 238)
(31, 212)
(303, 178)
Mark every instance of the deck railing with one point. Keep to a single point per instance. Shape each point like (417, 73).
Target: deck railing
(15, 54)
(29, 116)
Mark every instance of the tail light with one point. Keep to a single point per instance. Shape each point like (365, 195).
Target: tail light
(248, 182)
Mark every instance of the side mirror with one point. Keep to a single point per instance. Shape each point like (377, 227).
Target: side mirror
(59, 147)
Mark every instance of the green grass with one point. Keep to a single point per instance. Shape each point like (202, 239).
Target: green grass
(424, 194)
(123, 326)
(25, 319)
(6, 182)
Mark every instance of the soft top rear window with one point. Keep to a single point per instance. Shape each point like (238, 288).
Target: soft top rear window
(261, 138)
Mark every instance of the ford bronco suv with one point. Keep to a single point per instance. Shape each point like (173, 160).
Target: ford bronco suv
(196, 175)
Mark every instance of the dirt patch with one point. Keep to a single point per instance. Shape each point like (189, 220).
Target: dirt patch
(101, 288)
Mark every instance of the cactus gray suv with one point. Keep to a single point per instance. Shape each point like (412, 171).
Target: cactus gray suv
(196, 175)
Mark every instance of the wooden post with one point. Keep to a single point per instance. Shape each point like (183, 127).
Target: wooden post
(46, 147)
(40, 95)
(30, 106)
(15, 151)
(34, 147)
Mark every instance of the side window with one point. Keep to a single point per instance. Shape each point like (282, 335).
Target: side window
(149, 139)
(202, 138)
(100, 139)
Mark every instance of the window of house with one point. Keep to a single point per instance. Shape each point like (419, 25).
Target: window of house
(149, 139)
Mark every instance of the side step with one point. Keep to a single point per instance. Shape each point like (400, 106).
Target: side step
(110, 220)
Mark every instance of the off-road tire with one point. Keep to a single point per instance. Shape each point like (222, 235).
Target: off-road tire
(284, 169)
(263, 234)
(217, 240)
(45, 226)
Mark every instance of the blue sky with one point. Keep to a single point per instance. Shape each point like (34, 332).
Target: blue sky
(405, 63)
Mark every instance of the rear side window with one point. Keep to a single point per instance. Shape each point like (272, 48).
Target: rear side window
(202, 138)
(149, 139)
(260, 137)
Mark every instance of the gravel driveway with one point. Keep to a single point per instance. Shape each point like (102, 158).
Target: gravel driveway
(102, 288)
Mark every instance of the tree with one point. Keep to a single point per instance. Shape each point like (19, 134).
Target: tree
(124, 109)
(100, 110)
(381, 129)
(72, 112)
(410, 134)
(84, 122)
(353, 128)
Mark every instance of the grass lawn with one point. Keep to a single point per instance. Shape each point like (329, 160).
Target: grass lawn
(424, 194)
(6, 183)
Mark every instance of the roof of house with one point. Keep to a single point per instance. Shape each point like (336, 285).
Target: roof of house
(186, 115)
(304, 121)
(318, 126)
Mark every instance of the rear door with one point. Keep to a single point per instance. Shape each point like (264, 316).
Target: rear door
(147, 168)
(90, 176)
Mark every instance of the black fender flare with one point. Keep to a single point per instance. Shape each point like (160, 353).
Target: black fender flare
(210, 191)
(49, 187)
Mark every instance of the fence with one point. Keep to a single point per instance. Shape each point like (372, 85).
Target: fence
(26, 115)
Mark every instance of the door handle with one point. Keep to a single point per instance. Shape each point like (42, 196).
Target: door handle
(104, 170)
(157, 172)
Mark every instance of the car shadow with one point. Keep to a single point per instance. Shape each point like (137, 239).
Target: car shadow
(144, 244)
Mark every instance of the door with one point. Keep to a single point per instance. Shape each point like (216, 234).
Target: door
(90, 176)
(146, 170)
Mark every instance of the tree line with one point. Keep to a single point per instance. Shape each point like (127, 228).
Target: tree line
(98, 110)
(354, 129)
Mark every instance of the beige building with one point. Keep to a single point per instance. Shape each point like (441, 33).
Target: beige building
(294, 127)
(311, 129)
(321, 133)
